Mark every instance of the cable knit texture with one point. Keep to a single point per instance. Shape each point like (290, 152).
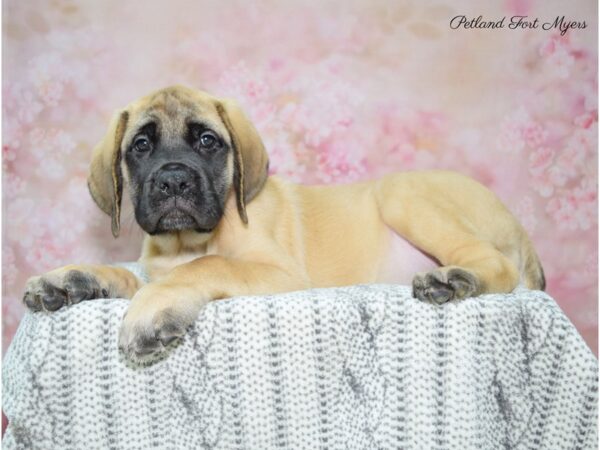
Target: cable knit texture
(360, 367)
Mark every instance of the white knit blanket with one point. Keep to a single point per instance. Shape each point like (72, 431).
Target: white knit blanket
(361, 367)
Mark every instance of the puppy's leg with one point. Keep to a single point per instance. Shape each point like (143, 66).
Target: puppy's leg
(161, 311)
(459, 223)
(74, 283)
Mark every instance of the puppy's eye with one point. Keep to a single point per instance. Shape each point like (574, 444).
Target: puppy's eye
(208, 140)
(142, 144)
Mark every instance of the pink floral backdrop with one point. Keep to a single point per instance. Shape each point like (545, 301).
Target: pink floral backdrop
(339, 90)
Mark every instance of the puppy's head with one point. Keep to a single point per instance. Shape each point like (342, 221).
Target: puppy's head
(179, 152)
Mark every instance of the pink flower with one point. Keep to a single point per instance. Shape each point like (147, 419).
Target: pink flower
(45, 255)
(590, 266)
(558, 56)
(12, 312)
(583, 140)
(47, 74)
(25, 224)
(559, 175)
(553, 43)
(284, 159)
(8, 153)
(587, 191)
(511, 139)
(405, 156)
(13, 185)
(562, 211)
(338, 163)
(50, 147)
(534, 134)
(542, 183)
(433, 122)
(540, 159)
(577, 209)
(585, 120)
(519, 7)
(590, 95)
(525, 211)
(571, 161)
(51, 91)
(324, 105)
(9, 267)
(246, 86)
(29, 108)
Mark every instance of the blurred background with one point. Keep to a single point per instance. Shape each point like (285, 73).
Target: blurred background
(340, 91)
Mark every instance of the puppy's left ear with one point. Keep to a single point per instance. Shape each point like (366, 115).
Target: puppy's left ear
(105, 180)
(251, 163)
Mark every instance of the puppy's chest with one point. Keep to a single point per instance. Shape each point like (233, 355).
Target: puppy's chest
(158, 266)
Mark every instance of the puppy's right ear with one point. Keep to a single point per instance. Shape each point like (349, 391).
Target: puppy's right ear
(105, 180)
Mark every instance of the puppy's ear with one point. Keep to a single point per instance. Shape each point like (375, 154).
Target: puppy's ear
(105, 181)
(251, 163)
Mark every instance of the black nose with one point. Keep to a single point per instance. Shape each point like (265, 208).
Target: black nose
(174, 179)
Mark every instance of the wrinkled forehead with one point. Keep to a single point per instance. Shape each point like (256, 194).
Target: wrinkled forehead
(173, 110)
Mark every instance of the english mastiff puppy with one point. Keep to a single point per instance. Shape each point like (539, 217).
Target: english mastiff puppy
(218, 226)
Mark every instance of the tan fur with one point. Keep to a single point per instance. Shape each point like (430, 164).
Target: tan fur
(276, 236)
(335, 235)
(105, 180)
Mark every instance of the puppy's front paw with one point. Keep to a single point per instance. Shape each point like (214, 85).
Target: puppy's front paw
(444, 284)
(155, 318)
(60, 288)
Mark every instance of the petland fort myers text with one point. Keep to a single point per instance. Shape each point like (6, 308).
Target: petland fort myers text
(517, 23)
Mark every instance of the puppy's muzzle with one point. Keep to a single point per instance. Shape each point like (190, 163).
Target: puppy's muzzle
(173, 180)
